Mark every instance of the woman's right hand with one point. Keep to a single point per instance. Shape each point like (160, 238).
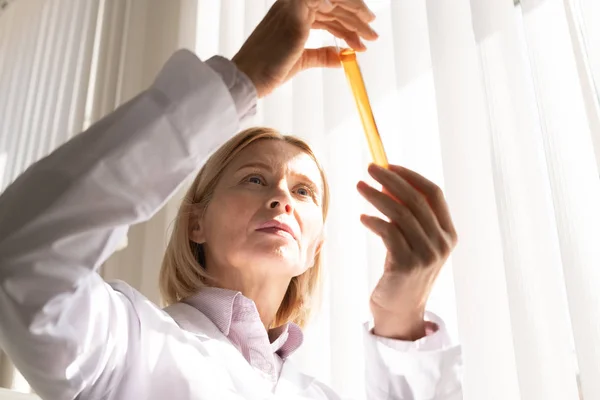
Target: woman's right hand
(275, 51)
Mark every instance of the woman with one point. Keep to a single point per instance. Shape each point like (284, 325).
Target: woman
(243, 260)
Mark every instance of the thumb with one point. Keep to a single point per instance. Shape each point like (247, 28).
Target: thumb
(324, 57)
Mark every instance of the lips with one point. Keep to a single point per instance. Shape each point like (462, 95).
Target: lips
(274, 226)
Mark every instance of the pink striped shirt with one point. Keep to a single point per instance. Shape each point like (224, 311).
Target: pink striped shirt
(237, 318)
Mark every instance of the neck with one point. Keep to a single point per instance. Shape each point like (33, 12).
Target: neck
(267, 292)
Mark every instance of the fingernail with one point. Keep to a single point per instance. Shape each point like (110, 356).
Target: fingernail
(375, 167)
(362, 187)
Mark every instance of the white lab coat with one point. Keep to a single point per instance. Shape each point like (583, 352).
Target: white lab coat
(74, 336)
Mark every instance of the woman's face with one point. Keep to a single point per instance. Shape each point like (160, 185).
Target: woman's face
(265, 217)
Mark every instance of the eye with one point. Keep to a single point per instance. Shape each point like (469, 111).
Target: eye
(306, 191)
(303, 191)
(255, 179)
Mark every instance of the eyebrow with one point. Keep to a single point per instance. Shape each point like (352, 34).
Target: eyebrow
(262, 165)
(256, 164)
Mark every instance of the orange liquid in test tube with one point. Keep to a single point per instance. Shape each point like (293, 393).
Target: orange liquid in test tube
(357, 84)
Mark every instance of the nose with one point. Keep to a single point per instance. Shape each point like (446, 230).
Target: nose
(287, 208)
(282, 200)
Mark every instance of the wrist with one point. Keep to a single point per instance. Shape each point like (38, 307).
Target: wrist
(250, 70)
(406, 328)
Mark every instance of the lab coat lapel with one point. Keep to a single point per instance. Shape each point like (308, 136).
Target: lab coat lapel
(220, 348)
(292, 381)
(193, 321)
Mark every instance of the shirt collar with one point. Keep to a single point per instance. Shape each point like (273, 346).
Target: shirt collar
(223, 306)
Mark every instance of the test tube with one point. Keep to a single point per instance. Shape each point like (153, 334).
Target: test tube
(357, 84)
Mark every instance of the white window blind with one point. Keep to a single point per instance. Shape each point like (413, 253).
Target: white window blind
(496, 103)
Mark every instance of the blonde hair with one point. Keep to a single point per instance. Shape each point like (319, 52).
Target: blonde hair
(182, 274)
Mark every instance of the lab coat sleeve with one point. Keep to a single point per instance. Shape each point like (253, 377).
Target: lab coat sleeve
(427, 369)
(62, 326)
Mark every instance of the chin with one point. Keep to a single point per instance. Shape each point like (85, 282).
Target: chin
(280, 258)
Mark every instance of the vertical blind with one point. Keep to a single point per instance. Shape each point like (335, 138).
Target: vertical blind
(47, 52)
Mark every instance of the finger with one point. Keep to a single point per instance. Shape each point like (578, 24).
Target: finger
(416, 202)
(391, 234)
(400, 215)
(350, 21)
(357, 7)
(318, 58)
(337, 30)
(434, 194)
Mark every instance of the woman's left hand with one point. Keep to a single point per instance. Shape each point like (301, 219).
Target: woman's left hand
(419, 238)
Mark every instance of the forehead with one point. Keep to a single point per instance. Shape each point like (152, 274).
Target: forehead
(278, 155)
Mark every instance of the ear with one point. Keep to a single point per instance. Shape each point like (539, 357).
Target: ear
(196, 230)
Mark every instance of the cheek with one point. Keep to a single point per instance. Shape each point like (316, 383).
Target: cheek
(312, 231)
(227, 217)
